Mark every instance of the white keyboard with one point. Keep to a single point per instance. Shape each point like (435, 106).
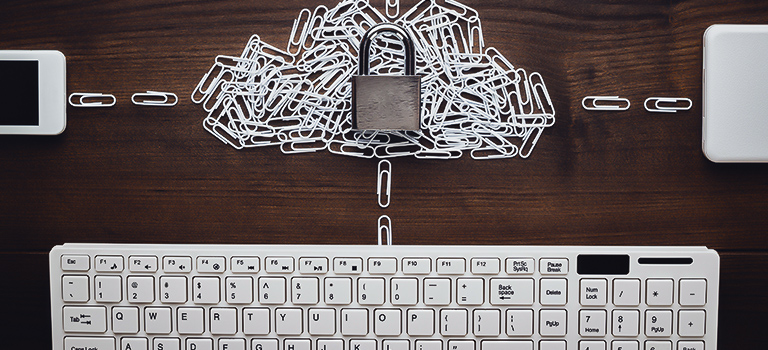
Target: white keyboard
(314, 297)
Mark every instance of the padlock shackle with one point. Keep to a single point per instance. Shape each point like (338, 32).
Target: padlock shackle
(365, 47)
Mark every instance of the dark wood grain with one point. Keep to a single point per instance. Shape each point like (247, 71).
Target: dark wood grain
(131, 174)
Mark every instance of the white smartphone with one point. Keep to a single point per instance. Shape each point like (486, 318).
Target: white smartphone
(735, 93)
(33, 89)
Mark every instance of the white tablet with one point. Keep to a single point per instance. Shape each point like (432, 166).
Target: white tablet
(735, 93)
(33, 88)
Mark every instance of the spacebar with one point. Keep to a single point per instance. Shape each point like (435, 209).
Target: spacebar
(89, 343)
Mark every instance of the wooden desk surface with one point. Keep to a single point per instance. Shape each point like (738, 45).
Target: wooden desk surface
(133, 174)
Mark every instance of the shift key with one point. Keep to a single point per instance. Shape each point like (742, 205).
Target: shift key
(86, 319)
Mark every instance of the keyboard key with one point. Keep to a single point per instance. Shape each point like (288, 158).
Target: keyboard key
(264, 344)
(166, 343)
(354, 321)
(512, 291)
(626, 292)
(272, 290)
(239, 290)
(450, 266)
(658, 292)
(417, 266)
(173, 289)
(691, 323)
(75, 288)
(304, 290)
(404, 291)
(108, 289)
(135, 343)
(485, 266)
(690, 345)
(313, 265)
(177, 264)
(625, 345)
(278, 264)
(437, 291)
(125, 319)
(553, 291)
(470, 291)
(244, 264)
(348, 266)
(90, 319)
(486, 322)
(141, 289)
(593, 292)
(453, 322)
(256, 321)
(404, 344)
(658, 323)
(520, 266)
(89, 343)
(693, 292)
(331, 344)
(429, 344)
(211, 264)
(506, 345)
(552, 345)
(592, 323)
(552, 322)
(382, 266)
(421, 322)
(75, 262)
(626, 323)
(190, 320)
(362, 344)
(658, 345)
(297, 344)
(519, 322)
(387, 322)
(205, 290)
(322, 321)
(370, 291)
(592, 345)
(223, 320)
(109, 263)
(338, 290)
(157, 320)
(553, 266)
(142, 263)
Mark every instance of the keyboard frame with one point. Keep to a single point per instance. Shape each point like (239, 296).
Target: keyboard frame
(706, 265)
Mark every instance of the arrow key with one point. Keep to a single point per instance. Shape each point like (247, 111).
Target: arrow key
(626, 323)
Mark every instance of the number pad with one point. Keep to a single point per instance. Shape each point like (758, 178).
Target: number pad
(626, 323)
(658, 323)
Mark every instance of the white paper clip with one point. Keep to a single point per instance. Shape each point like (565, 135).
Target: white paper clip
(84, 95)
(604, 107)
(384, 171)
(146, 99)
(667, 109)
(385, 228)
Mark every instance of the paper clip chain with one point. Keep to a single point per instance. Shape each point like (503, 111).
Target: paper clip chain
(145, 99)
(385, 170)
(667, 109)
(85, 95)
(604, 107)
(385, 228)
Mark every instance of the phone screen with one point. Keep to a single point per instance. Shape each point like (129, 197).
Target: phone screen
(19, 93)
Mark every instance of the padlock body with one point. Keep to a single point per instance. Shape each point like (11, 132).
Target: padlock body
(386, 102)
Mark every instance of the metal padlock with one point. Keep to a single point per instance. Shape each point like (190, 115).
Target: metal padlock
(386, 102)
